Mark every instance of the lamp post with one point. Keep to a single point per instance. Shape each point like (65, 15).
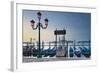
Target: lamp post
(39, 26)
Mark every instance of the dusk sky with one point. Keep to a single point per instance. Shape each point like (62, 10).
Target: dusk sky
(77, 25)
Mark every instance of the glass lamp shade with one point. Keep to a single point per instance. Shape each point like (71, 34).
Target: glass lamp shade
(32, 22)
(46, 21)
(39, 15)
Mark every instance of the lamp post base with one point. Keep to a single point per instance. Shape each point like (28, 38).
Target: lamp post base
(39, 56)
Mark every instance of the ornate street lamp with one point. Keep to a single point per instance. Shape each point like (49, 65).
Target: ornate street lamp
(39, 26)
